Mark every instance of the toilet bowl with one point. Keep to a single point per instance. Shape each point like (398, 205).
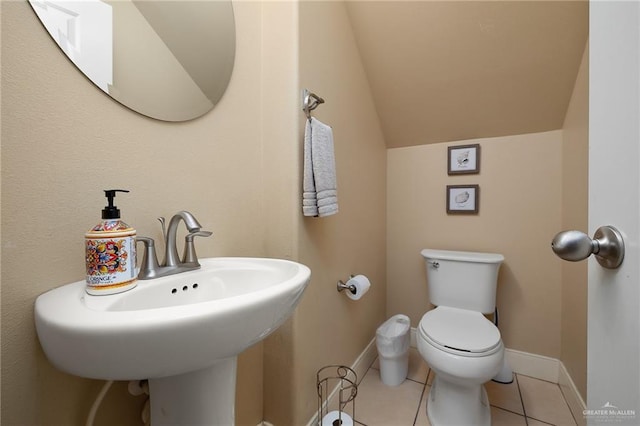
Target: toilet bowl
(465, 351)
(457, 341)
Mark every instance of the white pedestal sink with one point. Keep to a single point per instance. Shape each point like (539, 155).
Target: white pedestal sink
(182, 332)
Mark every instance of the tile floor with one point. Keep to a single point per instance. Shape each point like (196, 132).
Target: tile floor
(526, 401)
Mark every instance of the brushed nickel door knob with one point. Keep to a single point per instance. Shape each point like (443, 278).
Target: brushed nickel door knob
(607, 245)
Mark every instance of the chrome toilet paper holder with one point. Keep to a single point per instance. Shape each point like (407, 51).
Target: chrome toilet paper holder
(342, 286)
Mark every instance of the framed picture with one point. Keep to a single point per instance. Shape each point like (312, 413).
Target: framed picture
(464, 159)
(463, 199)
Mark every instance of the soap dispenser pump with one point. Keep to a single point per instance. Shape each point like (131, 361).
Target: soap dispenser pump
(111, 252)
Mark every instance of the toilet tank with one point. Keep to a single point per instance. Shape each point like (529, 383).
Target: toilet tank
(461, 279)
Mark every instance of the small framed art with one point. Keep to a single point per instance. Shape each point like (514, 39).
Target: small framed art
(463, 159)
(463, 199)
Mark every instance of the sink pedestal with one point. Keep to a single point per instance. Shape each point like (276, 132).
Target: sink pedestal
(202, 397)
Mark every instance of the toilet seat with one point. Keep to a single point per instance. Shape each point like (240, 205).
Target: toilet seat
(460, 332)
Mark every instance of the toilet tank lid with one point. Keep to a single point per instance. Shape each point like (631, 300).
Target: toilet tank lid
(462, 256)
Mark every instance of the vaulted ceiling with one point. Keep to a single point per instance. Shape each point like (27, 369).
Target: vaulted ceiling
(454, 70)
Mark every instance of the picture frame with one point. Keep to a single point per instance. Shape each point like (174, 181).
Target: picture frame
(463, 159)
(463, 199)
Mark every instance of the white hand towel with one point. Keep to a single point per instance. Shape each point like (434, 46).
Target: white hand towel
(309, 196)
(320, 195)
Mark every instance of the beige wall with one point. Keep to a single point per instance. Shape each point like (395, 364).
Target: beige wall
(575, 176)
(328, 327)
(63, 142)
(520, 189)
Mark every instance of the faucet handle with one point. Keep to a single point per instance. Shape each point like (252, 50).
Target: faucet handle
(193, 234)
(164, 228)
(149, 265)
(189, 255)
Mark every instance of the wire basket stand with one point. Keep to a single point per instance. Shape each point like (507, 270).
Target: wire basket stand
(340, 381)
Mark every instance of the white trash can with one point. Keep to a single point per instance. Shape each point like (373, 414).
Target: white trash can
(392, 341)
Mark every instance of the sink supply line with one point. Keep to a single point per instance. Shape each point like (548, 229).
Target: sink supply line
(96, 404)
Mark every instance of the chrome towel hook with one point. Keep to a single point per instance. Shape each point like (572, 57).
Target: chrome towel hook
(310, 101)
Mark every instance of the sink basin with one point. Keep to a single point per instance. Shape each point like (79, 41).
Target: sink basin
(170, 325)
(182, 332)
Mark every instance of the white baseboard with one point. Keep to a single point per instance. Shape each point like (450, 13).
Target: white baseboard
(572, 396)
(537, 366)
(366, 358)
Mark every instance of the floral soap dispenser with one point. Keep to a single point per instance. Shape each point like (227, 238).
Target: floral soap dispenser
(111, 252)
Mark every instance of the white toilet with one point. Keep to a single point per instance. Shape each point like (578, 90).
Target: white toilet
(459, 343)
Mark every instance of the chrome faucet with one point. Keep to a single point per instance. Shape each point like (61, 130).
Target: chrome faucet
(150, 268)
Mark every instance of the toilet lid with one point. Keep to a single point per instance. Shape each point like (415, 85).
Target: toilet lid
(460, 329)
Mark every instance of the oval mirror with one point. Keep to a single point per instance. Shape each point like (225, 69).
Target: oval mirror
(169, 60)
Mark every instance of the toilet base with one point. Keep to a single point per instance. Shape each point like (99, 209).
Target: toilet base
(454, 405)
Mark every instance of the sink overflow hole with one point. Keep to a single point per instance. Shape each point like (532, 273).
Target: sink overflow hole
(185, 288)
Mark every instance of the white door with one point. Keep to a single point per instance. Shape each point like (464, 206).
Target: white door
(613, 360)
